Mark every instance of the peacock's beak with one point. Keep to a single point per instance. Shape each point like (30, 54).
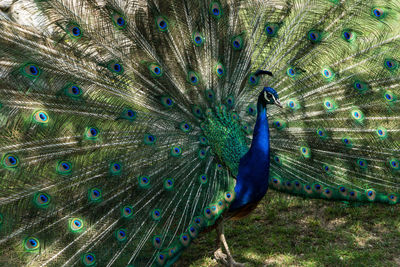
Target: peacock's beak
(278, 103)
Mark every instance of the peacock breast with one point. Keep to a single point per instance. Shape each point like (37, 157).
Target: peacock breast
(226, 137)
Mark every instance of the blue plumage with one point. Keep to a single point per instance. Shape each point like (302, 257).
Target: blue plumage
(253, 177)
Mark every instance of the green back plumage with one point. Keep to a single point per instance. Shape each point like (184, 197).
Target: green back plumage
(122, 126)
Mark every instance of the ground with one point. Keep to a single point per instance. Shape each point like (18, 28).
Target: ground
(293, 231)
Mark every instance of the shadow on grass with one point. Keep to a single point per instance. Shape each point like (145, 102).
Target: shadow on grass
(292, 231)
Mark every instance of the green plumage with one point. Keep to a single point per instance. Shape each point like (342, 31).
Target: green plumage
(122, 126)
(226, 137)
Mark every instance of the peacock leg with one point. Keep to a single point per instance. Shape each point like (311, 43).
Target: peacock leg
(227, 258)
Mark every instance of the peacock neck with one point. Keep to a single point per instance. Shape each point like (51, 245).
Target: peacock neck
(253, 175)
(260, 143)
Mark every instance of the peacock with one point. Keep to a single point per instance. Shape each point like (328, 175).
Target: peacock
(128, 128)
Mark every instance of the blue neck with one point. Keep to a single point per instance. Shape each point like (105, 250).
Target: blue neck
(252, 178)
(260, 143)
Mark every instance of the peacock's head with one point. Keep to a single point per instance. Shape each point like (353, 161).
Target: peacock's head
(269, 96)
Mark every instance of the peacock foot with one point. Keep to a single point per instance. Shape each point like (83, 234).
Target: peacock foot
(224, 259)
(221, 257)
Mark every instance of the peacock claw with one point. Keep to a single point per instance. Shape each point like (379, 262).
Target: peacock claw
(221, 257)
(225, 260)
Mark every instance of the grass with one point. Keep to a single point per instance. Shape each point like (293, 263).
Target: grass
(292, 231)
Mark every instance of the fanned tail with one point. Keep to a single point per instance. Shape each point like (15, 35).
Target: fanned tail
(103, 118)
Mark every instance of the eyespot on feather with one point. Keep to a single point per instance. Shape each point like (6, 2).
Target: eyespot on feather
(155, 70)
(202, 153)
(391, 64)
(74, 30)
(118, 20)
(357, 115)
(121, 234)
(128, 114)
(197, 111)
(378, 13)
(199, 221)
(64, 167)
(347, 142)
(210, 95)
(157, 241)
(360, 86)
(31, 244)
(362, 163)
(40, 117)
(76, 225)
(230, 101)
(197, 39)
(41, 200)
(279, 124)
(127, 212)
(31, 70)
(220, 70)
(348, 35)
(73, 90)
(215, 10)
(169, 184)
(370, 194)
(253, 80)
(393, 198)
(144, 182)
(149, 139)
(276, 182)
(394, 164)
(293, 104)
(88, 259)
(193, 231)
(115, 168)
(167, 101)
(308, 189)
(185, 127)
(156, 214)
(237, 42)
(328, 74)
(161, 258)
(203, 179)
(322, 133)
(193, 78)
(162, 23)
(10, 161)
(305, 152)
(314, 36)
(115, 67)
(289, 186)
(185, 239)
(330, 105)
(207, 213)
(176, 151)
(94, 195)
(382, 133)
(271, 29)
(92, 133)
(327, 193)
(389, 97)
